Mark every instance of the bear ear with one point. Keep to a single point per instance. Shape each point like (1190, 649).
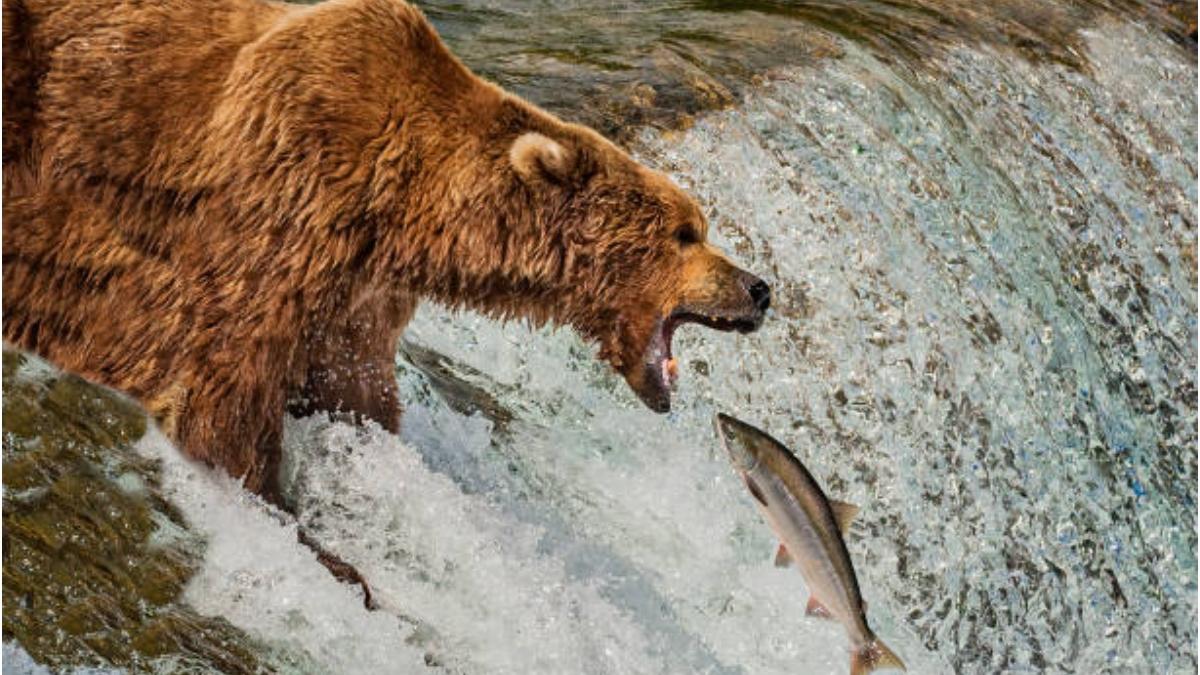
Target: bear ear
(536, 157)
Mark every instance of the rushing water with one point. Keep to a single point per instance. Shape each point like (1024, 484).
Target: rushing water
(984, 334)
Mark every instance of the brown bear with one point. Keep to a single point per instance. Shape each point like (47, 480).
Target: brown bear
(222, 207)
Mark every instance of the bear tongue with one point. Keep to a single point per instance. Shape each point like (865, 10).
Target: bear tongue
(659, 368)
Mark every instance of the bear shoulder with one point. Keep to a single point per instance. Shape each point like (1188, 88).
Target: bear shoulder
(154, 89)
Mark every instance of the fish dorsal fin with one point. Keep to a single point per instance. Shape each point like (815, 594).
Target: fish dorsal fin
(782, 557)
(816, 609)
(843, 514)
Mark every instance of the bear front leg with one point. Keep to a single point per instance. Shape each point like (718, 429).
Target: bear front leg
(351, 363)
(237, 426)
(232, 422)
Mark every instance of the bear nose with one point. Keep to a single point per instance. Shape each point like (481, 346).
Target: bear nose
(760, 294)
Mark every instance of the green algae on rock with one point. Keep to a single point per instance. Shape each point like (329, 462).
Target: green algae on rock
(89, 577)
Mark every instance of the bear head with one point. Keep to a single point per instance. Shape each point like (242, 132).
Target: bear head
(560, 225)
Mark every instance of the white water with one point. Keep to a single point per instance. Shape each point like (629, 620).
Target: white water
(941, 246)
(18, 662)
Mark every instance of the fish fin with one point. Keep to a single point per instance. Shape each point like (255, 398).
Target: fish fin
(754, 490)
(873, 656)
(816, 609)
(843, 514)
(782, 557)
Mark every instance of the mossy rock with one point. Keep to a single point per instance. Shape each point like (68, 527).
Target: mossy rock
(85, 581)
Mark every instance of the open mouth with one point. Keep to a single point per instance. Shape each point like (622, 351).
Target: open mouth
(662, 369)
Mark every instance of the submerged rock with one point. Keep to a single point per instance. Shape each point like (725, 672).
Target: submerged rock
(95, 558)
(458, 384)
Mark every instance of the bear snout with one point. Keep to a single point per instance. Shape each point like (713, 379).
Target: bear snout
(757, 302)
(760, 294)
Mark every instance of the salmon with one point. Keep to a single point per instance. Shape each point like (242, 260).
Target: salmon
(810, 527)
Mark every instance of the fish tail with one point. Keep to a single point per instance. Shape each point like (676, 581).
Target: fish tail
(872, 656)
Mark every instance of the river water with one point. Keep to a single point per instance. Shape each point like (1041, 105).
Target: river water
(980, 226)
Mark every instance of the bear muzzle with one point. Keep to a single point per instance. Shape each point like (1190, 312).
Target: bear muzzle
(741, 306)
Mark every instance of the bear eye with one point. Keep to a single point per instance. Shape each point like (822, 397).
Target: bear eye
(687, 235)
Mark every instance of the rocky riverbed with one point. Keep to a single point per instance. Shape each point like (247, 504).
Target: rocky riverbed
(95, 556)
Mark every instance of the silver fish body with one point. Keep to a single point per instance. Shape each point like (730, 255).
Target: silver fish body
(810, 527)
(806, 526)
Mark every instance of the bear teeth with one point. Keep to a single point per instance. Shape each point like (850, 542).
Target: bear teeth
(670, 372)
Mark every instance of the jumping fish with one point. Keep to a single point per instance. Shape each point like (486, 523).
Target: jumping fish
(810, 527)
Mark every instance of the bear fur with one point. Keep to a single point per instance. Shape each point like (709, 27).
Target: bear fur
(226, 207)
